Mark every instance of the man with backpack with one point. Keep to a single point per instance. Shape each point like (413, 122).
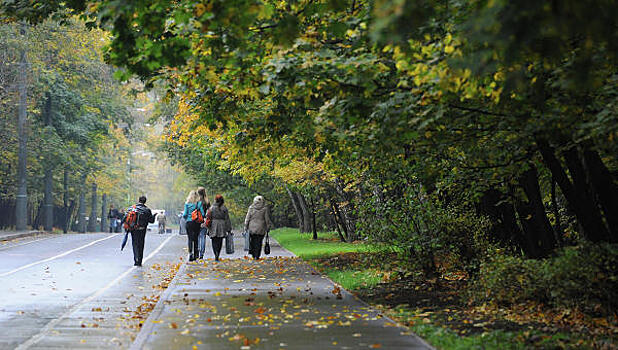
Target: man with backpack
(135, 221)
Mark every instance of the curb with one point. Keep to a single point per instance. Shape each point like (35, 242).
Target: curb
(147, 327)
(18, 235)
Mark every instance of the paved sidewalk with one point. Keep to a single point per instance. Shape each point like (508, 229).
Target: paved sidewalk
(276, 303)
(10, 235)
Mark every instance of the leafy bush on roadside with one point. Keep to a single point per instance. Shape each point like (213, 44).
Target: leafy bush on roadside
(506, 279)
(584, 275)
(431, 236)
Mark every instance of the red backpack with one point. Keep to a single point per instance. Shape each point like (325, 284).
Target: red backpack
(131, 219)
(196, 215)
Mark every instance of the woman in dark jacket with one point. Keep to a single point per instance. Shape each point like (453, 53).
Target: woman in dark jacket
(220, 225)
(193, 228)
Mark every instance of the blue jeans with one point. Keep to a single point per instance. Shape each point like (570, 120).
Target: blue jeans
(201, 241)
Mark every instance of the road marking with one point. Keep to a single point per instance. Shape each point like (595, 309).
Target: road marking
(48, 327)
(57, 256)
(24, 243)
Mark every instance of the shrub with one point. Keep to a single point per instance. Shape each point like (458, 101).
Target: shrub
(505, 279)
(583, 275)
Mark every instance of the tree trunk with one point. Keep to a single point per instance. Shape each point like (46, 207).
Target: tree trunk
(347, 211)
(336, 222)
(341, 220)
(538, 231)
(306, 228)
(104, 224)
(21, 204)
(65, 200)
(92, 222)
(48, 214)
(587, 215)
(313, 226)
(581, 185)
(554, 205)
(605, 188)
(299, 213)
(48, 206)
(503, 218)
(81, 228)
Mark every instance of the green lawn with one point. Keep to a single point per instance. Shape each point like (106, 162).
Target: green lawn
(307, 248)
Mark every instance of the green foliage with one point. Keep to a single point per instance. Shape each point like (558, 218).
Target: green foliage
(505, 279)
(583, 275)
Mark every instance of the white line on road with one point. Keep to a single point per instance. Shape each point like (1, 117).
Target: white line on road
(48, 327)
(57, 256)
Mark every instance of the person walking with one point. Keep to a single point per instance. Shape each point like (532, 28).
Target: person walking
(113, 216)
(138, 234)
(182, 223)
(257, 225)
(193, 223)
(220, 224)
(162, 219)
(201, 239)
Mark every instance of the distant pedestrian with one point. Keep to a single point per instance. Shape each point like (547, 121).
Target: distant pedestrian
(138, 234)
(201, 239)
(193, 223)
(257, 224)
(182, 229)
(220, 224)
(113, 216)
(162, 220)
(119, 220)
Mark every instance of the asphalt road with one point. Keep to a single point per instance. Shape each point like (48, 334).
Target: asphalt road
(79, 290)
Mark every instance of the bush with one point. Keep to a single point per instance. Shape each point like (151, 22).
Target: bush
(583, 276)
(505, 279)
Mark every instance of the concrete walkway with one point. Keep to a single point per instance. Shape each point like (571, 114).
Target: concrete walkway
(11, 235)
(276, 303)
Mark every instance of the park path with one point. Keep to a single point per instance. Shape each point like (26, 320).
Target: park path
(279, 302)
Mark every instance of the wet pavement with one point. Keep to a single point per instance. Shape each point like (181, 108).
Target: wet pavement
(79, 290)
(276, 303)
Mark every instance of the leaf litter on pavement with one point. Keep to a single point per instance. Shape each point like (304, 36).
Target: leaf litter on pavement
(247, 302)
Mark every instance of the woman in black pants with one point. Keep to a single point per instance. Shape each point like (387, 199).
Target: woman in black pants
(193, 227)
(220, 224)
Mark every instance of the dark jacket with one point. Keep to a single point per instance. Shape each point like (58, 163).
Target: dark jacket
(144, 215)
(221, 223)
(113, 214)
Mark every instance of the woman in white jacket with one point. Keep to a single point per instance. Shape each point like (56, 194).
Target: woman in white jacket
(257, 224)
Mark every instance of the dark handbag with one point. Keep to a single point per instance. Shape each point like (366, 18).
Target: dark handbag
(229, 243)
(267, 245)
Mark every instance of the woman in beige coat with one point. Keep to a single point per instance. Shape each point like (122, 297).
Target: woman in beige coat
(257, 224)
